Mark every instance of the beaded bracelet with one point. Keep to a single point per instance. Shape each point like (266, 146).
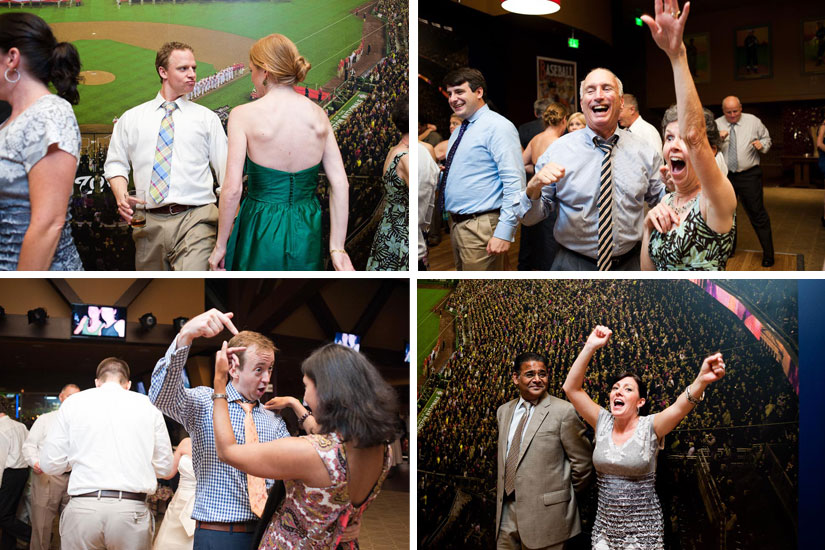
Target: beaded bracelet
(304, 417)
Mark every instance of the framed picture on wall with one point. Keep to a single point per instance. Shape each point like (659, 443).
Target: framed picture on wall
(698, 54)
(753, 53)
(813, 46)
(556, 79)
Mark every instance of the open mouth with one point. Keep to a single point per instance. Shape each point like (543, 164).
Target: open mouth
(601, 109)
(618, 403)
(677, 165)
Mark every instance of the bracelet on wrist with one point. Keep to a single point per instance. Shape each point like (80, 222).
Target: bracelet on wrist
(692, 399)
(338, 250)
(303, 418)
(218, 396)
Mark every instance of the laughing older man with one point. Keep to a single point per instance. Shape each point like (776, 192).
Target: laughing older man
(599, 179)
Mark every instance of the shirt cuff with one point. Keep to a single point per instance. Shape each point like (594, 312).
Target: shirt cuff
(505, 231)
(176, 355)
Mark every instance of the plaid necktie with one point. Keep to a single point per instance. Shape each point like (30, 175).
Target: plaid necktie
(451, 154)
(255, 485)
(733, 162)
(512, 455)
(162, 169)
(605, 202)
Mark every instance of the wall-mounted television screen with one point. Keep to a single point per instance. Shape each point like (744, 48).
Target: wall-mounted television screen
(93, 321)
(350, 340)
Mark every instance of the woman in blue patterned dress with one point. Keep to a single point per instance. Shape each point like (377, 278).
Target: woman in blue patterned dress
(39, 146)
(693, 227)
(390, 248)
(629, 515)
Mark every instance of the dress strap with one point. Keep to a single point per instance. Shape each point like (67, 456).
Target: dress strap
(331, 451)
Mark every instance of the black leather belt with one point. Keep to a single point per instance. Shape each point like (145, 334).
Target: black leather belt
(125, 495)
(458, 218)
(238, 527)
(171, 209)
(615, 261)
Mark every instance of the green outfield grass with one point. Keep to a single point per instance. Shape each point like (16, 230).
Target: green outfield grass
(323, 36)
(427, 321)
(130, 87)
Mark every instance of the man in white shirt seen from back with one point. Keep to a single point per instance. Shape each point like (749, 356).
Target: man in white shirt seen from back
(632, 121)
(14, 475)
(116, 444)
(48, 492)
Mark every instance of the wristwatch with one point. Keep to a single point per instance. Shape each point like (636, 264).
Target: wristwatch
(218, 396)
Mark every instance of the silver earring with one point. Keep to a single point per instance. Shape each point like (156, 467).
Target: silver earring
(9, 80)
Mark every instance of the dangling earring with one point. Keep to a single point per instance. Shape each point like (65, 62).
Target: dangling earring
(9, 80)
(265, 83)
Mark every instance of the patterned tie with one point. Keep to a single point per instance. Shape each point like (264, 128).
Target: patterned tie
(451, 154)
(605, 203)
(162, 169)
(512, 455)
(256, 485)
(733, 162)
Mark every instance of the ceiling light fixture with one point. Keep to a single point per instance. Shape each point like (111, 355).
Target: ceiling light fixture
(532, 7)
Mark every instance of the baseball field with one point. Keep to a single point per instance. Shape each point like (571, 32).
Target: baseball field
(117, 43)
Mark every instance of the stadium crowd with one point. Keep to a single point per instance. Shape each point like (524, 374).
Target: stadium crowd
(662, 330)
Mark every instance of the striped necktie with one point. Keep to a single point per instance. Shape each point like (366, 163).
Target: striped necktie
(511, 463)
(605, 202)
(162, 169)
(451, 154)
(733, 162)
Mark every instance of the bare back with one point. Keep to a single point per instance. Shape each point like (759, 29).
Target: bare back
(284, 130)
(365, 467)
(540, 143)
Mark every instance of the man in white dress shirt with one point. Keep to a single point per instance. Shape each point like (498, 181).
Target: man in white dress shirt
(632, 121)
(116, 444)
(48, 492)
(170, 143)
(14, 475)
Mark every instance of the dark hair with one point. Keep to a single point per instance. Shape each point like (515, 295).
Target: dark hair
(353, 399)
(7, 406)
(472, 77)
(45, 58)
(113, 367)
(525, 357)
(638, 379)
(165, 51)
(401, 114)
(712, 131)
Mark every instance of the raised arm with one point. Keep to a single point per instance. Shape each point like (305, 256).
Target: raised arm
(667, 30)
(713, 369)
(230, 190)
(575, 378)
(309, 424)
(285, 458)
(338, 202)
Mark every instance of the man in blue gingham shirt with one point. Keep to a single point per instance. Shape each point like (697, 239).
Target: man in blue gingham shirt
(225, 519)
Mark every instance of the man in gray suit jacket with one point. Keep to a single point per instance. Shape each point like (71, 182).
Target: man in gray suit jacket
(543, 458)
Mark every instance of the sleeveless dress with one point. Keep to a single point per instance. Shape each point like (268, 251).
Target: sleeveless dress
(391, 249)
(24, 142)
(278, 227)
(629, 516)
(177, 532)
(312, 518)
(691, 245)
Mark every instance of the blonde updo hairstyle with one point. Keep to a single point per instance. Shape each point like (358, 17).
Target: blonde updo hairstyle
(278, 56)
(554, 114)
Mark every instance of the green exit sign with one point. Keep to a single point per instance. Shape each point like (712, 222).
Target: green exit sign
(573, 42)
(639, 22)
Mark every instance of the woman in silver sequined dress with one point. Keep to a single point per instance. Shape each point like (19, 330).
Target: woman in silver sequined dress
(629, 516)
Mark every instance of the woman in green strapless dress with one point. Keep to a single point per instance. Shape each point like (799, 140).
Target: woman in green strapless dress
(280, 141)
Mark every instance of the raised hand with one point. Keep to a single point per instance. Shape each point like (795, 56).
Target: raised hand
(668, 27)
(599, 337)
(278, 403)
(206, 325)
(713, 369)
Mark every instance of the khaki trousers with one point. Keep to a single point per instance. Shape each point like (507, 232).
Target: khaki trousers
(48, 497)
(176, 242)
(106, 524)
(508, 537)
(469, 239)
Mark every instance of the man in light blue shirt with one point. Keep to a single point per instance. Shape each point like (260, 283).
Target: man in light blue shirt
(568, 178)
(484, 176)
